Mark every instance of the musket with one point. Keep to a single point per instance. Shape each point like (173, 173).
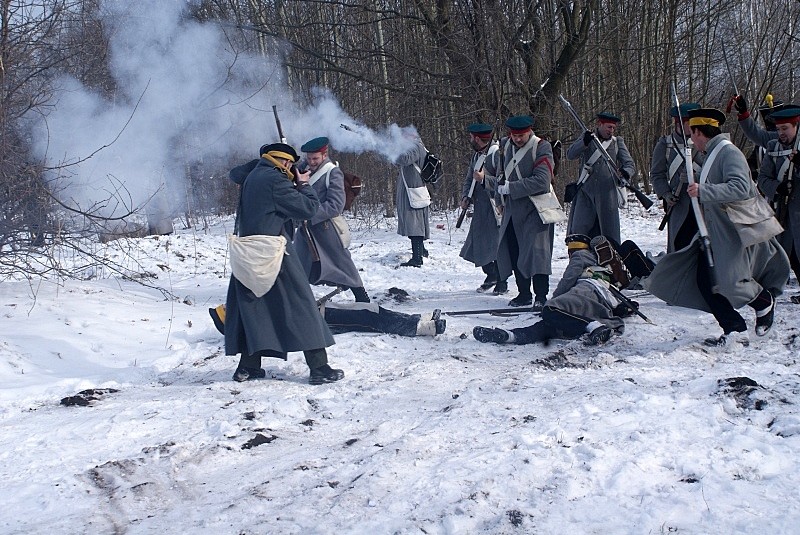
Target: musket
(612, 165)
(628, 303)
(312, 247)
(705, 241)
(466, 208)
(278, 124)
(328, 296)
(668, 213)
(677, 191)
(493, 311)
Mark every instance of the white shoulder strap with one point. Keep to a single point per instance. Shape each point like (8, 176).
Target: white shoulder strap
(710, 160)
(587, 167)
(531, 145)
(482, 157)
(323, 170)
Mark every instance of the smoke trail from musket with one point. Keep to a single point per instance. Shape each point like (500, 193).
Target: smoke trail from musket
(182, 95)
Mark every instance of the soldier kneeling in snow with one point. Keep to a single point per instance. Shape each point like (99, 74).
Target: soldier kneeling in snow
(586, 301)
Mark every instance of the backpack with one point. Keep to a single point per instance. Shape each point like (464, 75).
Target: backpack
(352, 187)
(431, 170)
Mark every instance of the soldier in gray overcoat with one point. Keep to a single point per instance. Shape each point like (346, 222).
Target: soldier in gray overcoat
(668, 176)
(745, 275)
(335, 266)
(581, 304)
(779, 178)
(285, 318)
(522, 167)
(482, 241)
(412, 222)
(595, 208)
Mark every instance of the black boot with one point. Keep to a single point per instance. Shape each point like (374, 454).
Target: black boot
(541, 285)
(492, 277)
(525, 298)
(489, 334)
(416, 252)
(243, 374)
(500, 288)
(765, 313)
(325, 374)
(360, 294)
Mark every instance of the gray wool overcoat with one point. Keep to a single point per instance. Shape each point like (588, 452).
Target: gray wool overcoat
(286, 318)
(670, 149)
(535, 239)
(741, 272)
(595, 209)
(336, 267)
(411, 221)
(480, 246)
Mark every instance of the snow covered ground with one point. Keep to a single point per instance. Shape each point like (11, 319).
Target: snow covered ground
(650, 433)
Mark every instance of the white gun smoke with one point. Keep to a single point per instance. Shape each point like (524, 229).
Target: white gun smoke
(182, 95)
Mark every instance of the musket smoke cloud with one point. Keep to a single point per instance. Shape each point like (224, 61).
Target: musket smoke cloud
(182, 94)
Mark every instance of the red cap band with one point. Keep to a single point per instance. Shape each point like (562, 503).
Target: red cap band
(606, 121)
(520, 130)
(788, 120)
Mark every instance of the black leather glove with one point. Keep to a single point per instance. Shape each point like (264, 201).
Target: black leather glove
(796, 158)
(587, 138)
(783, 188)
(623, 311)
(740, 104)
(570, 191)
(626, 175)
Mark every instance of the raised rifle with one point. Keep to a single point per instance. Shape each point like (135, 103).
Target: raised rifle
(705, 241)
(612, 165)
(311, 244)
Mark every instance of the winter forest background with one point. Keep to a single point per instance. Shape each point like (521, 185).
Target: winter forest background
(117, 409)
(115, 112)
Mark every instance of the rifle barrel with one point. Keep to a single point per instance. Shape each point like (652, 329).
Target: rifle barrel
(705, 240)
(278, 124)
(491, 311)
